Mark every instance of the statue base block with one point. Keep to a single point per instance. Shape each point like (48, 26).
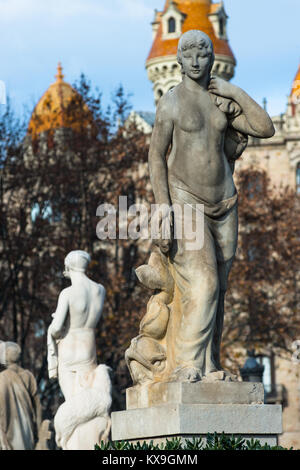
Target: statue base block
(165, 410)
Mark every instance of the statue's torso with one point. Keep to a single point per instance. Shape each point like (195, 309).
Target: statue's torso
(85, 304)
(197, 160)
(85, 308)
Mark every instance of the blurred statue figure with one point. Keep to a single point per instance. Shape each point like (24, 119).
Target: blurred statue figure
(83, 419)
(20, 409)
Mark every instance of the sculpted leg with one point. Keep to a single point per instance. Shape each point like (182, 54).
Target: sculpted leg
(223, 270)
(67, 379)
(199, 304)
(225, 233)
(196, 276)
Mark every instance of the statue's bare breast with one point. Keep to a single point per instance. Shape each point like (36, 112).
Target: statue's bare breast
(197, 159)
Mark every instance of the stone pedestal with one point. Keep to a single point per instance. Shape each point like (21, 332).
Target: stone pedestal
(165, 410)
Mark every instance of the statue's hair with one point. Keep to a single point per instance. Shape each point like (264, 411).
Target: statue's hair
(195, 38)
(77, 260)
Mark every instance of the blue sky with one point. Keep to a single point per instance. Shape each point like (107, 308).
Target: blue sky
(109, 40)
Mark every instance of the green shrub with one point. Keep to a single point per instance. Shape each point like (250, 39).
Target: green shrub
(213, 442)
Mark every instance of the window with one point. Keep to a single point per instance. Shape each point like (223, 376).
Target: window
(268, 376)
(254, 184)
(298, 179)
(217, 68)
(274, 393)
(221, 27)
(171, 25)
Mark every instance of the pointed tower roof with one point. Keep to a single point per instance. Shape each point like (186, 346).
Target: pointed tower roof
(295, 92)
(196, 16)
(60, 106)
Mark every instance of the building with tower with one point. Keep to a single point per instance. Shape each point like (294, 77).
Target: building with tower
(280, 155)
(169, 24)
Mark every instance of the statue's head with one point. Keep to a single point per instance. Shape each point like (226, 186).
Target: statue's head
(9, 352)
(195, 54)
(77, 261)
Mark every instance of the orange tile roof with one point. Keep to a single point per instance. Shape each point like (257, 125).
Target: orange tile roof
(196, 12)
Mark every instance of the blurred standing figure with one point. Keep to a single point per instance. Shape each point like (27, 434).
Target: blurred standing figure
(20, 409)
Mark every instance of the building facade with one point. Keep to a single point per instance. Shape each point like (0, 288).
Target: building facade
(278, 156)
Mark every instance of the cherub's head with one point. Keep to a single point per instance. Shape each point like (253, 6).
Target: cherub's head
(77, 260)
(195, 54)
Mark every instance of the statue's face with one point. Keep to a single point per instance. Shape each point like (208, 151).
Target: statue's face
(196, 62)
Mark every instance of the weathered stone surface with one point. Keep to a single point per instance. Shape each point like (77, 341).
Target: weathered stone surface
(145, 396)
(205, 121)
(197, 420)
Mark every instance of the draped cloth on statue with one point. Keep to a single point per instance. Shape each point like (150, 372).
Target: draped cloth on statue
(200, 275)
(17, 413)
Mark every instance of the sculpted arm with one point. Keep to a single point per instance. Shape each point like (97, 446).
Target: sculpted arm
(160, 142)
(102, 298)
(60, 314)
(254, 120)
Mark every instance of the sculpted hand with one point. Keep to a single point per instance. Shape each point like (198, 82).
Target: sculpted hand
(165, 229)
(221, 87)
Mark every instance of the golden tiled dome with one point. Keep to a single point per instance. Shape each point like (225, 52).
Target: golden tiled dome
(196, 12)
(60, 106)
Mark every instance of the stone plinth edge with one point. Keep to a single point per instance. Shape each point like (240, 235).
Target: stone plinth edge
(220, 393)
(196, 420)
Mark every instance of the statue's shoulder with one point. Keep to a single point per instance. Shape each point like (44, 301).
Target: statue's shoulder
(28, 380)
(101, 289)
(101, 292)
(65, 293)
(165, 105)
(97, 286)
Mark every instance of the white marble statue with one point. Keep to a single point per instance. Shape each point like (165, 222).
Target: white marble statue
(20, 409)
(83, 419)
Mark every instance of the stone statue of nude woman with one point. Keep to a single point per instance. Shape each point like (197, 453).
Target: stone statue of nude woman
(205, 121)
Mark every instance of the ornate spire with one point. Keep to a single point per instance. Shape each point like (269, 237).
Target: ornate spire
(296, 84)
(59, 77)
